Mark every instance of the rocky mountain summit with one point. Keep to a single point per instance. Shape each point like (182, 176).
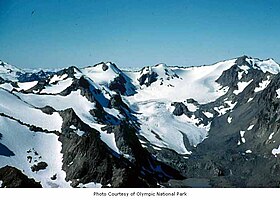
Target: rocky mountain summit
(163, 126)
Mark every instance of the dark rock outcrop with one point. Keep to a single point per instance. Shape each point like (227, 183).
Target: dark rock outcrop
(242, 61)
(11, 177)
(88, 159)
(118, 85)
(147, 78)
(181, 109)
(39, 166)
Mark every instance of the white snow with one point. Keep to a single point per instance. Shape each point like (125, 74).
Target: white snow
(240, 74)
(80, 105)
(242, 133)
(112, 111)
(56, 78)
(224, 109)
(271, 135)
(268, 65)
(26, 85)
(9, 72)
(278, 93)
(90, 185)
(245, 69)
(241, 86)
(73, 127)
(250, 99)
(57, 87)
(163, 129)
(208, 114)
(156, 148)
(78, 131)
(191, 107)
(19, 139)
(7, 86)
(11, 105)
(276, 151)
(1, 182)
(250, 127)
(248, 151)
(99, 76)
(152, 106)
(229, 120)
(242, 136)
(262, 85)
(203, 87)
(74, 100)
(108, 138)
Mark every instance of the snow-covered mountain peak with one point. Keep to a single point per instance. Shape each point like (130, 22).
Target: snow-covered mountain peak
(8, 67)
(103, 67)
(9, 72)
(268, 65)
(160, 72)
(102, 73)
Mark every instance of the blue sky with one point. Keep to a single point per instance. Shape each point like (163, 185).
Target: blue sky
(136, 33)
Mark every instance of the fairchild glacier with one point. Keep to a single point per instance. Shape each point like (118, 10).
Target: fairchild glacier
(162, 126)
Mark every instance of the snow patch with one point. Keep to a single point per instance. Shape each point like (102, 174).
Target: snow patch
(191, 107)
(208, 114)
(56, 78)
(57, 87)
(245, 69)
(278, 93)
(7, 86)
(248, 151)
(275, 152)
(26, 85)
(242, 136)
(262, 85)
(156, 148)
(250, 127)
(229, 120)
(224, 109)
(250, 99)
(90, 185)
(241, 86)
(108, 138)
(240, 74)
(271, 135)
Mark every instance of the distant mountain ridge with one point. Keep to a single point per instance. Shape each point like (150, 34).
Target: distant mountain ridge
(160, 126)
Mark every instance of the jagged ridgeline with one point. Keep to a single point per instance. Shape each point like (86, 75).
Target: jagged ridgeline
(162, 126)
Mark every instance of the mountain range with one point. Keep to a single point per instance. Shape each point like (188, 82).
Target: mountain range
(162, 126)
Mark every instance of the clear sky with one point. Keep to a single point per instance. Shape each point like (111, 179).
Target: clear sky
(136, 33)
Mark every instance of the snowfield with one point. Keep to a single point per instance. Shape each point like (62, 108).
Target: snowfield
(13, 106)
(23, 143)
(163, 129)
